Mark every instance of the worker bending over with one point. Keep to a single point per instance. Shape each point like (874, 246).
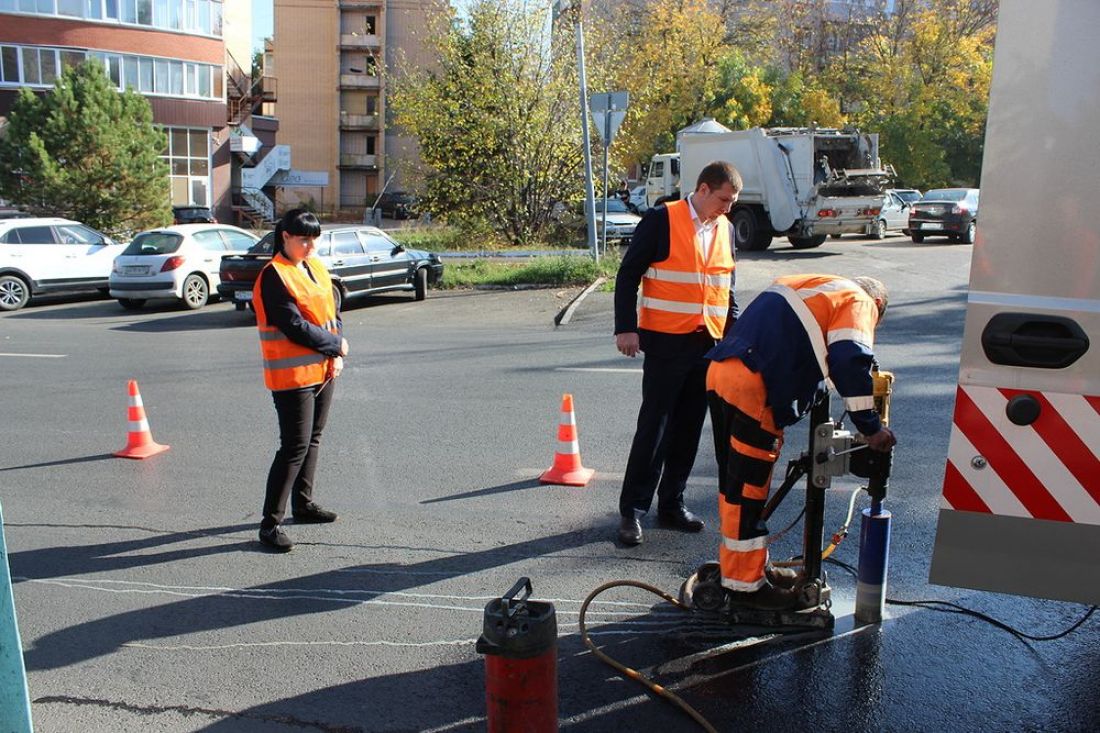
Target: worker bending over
(766, 374)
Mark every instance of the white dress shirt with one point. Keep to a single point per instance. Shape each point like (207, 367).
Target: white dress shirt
(704, 231)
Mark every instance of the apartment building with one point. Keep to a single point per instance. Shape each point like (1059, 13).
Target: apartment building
(330, 57)
(175, 52)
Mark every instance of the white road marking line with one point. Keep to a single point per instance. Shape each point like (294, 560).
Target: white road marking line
(252, 644)
(610, 370)
(39, 356)
(333, 595)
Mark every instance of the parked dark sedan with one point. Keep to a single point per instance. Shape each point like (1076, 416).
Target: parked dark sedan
(398, 205)
(361, 261)
(950, 212)
(192, 215)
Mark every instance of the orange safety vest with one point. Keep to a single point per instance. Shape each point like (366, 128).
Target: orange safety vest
(288, 365)
(682, 293)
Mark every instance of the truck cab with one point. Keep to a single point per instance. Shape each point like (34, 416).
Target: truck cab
(662, 182)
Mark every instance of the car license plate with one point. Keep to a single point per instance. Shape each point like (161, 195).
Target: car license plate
(243, 295)
(926, 225)
(135, 270)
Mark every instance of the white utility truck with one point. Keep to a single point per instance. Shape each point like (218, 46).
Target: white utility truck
(802, 183)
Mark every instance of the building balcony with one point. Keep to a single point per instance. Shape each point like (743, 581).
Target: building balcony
(359, 81)
(351, 160)
(357, 40)
(358, 122)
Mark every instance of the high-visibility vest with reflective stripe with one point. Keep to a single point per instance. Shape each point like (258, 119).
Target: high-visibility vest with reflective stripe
(832, 309)
(683, 292)
(288, 365)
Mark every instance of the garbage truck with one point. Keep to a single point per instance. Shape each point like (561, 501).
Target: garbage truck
(805, 183)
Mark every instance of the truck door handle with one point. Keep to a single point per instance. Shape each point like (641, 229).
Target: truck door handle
(1030, 340)
(375, 258)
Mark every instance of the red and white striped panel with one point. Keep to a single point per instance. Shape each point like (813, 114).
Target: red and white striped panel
(1047, 470)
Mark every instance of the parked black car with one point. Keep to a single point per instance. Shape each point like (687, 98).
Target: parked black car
(192, 215)
(950, 212)
(361, 261)
(398, 205)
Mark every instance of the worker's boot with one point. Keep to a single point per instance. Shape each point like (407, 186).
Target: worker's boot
(782, 577)
(767, 598)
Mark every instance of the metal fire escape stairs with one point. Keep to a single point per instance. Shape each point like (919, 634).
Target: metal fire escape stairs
(245, 97)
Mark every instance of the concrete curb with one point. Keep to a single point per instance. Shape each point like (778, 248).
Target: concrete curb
(566, 313)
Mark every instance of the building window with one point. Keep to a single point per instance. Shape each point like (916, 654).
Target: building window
(188, 158)
(9, 64)
(41, 66)
(194, 16)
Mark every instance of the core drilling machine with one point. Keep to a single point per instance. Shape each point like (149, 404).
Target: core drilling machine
(833, 451)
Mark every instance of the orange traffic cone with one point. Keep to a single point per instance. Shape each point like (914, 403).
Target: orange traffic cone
(567, 469)
(139, 443)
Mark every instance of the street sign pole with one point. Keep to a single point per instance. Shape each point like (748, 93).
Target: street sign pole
(609, 110)
(606, 145)
(589, 193)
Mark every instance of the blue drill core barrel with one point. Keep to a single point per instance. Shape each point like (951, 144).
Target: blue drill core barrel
(874, 561)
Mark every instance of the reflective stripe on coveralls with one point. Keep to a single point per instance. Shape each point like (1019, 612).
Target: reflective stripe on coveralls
(683, 293)
(747, 471)
(816, 300)
(288, 365)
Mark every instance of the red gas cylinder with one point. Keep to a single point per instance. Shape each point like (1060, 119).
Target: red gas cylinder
(520, 644)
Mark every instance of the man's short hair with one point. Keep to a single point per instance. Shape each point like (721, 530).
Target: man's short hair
(877, 290)
(717, 174)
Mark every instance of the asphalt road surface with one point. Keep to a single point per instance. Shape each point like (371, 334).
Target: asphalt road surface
(145, 602)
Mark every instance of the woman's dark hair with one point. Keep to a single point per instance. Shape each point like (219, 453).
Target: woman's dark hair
(300, 223)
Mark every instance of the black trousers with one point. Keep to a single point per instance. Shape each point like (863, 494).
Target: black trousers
(670, 421)
(302, 415)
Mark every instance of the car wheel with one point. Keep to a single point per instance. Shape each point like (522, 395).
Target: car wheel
(971, 230)
(836, 236)
(878, 229)
(195, 291)
(14, 293)
(807, 242)
(131, 304)
(337, 296)
(420, 284)
(953, 237)
(917, 238)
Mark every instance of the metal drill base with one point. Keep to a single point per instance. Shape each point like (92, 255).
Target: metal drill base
(703, 593)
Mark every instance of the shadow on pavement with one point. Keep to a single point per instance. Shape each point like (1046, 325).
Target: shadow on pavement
(64, 462)
(319, 593)
(502, 489)
(67, 561)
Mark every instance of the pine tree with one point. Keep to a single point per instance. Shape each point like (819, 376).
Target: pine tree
(87, 152)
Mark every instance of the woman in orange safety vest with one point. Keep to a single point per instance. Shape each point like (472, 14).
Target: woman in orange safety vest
(303, 352)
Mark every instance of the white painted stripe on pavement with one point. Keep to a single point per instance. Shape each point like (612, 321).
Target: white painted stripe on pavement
(40, 356)
(610, 370)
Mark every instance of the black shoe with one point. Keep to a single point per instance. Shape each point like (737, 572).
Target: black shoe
(768, 598)
(276, 539)
(679, 518)
(630, 531)
(313, 514)
(781, 577)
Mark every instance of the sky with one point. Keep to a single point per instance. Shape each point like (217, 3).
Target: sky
(263, 22)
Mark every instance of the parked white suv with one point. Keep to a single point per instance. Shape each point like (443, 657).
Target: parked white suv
(49, 255)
